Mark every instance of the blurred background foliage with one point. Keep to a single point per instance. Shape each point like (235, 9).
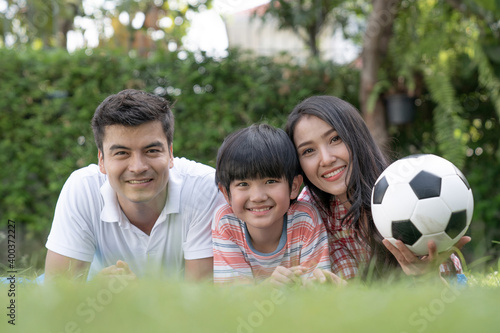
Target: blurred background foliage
(48, 99)
(444, 55)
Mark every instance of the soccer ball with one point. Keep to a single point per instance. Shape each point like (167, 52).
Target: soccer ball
(421, 198)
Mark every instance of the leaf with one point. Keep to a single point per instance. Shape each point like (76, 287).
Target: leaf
(445, 116)
(378, 89)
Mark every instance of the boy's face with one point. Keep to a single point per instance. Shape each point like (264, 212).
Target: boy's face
(137, 161)
(261, 203)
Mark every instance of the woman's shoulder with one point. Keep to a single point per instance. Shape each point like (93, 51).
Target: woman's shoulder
(305, 195)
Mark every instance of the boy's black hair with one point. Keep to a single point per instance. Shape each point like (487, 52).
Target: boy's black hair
(258, 151)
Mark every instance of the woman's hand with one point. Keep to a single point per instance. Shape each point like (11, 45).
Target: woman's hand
(418, 265)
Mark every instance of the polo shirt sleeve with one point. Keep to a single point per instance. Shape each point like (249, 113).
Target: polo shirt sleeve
(71, 232)
(202, 201)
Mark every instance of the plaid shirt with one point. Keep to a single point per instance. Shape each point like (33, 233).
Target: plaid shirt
(348, 252)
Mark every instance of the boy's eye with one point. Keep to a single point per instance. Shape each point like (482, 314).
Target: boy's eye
(271, 181)
(241, 184)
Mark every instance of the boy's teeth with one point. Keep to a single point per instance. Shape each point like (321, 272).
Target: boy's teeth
(259, 210)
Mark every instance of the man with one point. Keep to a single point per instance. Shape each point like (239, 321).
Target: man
(140, 211)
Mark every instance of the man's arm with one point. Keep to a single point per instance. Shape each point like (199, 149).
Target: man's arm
(199, 269)
(57, 265)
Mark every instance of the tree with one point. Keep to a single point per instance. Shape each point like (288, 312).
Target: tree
(375, 47)
(306, 18)
(415, 47)
(46, 23)
(38, 21)
(163, 22)
(434, 45)
(486, 14)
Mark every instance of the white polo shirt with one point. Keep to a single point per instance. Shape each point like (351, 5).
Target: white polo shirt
(89, 224)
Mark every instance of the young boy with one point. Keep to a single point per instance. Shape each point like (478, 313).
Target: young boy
(263, 232)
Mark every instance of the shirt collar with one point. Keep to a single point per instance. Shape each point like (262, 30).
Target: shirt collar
(111, 211)
(174, 187)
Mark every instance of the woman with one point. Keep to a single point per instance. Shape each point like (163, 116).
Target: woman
(341, 162)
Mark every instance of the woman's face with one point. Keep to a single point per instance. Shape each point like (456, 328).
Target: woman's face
(323, 155)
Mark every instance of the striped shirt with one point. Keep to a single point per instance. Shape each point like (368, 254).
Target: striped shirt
(303, 242)
(348, 252)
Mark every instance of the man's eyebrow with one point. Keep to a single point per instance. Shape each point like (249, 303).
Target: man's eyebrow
(154, 144)
(116, 147)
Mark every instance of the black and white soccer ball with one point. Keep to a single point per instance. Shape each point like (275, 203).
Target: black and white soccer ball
(420, 198)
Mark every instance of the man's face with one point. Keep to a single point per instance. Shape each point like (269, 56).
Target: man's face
(137, 160)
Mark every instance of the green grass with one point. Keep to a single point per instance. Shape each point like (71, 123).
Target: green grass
(172, 306)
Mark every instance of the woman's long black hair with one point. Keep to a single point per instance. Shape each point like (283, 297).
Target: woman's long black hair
(366, 163)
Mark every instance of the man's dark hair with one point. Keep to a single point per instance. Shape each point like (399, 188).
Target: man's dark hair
(132, 108)
(258, 151)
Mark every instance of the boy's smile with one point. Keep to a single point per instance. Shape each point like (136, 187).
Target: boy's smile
(261, 203)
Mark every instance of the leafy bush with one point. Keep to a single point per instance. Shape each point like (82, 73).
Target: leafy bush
(49, 97)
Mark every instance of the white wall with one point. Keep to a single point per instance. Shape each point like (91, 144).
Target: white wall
(266, 39)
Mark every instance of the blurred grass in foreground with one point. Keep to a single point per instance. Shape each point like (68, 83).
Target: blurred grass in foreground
(147, 306)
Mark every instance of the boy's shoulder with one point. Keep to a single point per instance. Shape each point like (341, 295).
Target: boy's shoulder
(302, 206)
(224, 217)
(223, 210)
(303, 211)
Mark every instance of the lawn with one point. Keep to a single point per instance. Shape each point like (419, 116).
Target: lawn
(117, 305)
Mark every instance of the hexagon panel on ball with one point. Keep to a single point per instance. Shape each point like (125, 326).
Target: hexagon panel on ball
(399, 202)
(431, 215)
(382, 221)
(443, 243)
(455, 193)
(437, 165)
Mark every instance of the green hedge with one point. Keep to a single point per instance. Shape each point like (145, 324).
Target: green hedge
(49, 97)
